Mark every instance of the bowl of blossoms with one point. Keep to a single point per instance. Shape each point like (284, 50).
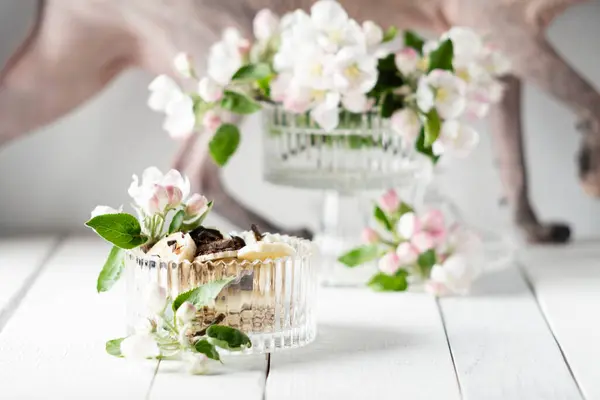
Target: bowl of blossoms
(416, 249)
(194, 292)
(341, 101)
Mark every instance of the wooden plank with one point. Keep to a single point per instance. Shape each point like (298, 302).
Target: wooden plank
(566, 281)
(502, 347)
(369, 346)
(20, 260)
(240, 377)
(53, 346)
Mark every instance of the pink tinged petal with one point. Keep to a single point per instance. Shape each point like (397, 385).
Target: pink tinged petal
(174, 196)
(407, 253)
(389, 201)
(327, 113)
(209, 90)
(196, 205)
(407, 60)
(433, 220)
(265, 24)
(408, 225)
(407, 124)
(389, 263)
(423, 241)
(280, 86)
(436, 288)
(211, 121)
(356, 102)
(370, 235)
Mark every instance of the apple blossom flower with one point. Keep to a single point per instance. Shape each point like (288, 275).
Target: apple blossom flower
(154, 192)
(103, 210)
(456, 139)
(184, 65)
(406, 123)
(335, 29)
(186, 312)
(454, 276)
(467, 45)
(156, 299)
(443, 90)
(389, 201)
(407, 61)
(265, 24)
(166, 96)
(434, 223)
(407, 253)
(227, 56)
(197, 363)
(140, 346)
(211, 121)
(355, 70)
(180, 120)
(209, 90)
(163, 90)
(370, 235)
(390, 263)
(196, 205)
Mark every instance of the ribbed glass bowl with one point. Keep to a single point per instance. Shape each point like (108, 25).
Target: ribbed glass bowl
(272, 301)
(362, 153)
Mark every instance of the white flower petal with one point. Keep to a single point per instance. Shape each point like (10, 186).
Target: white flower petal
(265, 24)
(356, 102)
(183, 65)
(180, 119)
(425, 95)
(140, 346)
(327, 113)
(407, 124)
(163, 91)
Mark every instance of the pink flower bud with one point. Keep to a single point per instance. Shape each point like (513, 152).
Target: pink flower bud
(186, 312)
(369, 235)
(389, 263)
(407, 253)
(244, 47)
(433, 222)
(423, 241)
(407, 60)
(211, 121)
(196, 205)
(390, 201)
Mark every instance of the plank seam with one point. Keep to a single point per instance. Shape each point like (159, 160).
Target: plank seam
(267, 372)
(529, 283)
(441, 312)
(15, 301)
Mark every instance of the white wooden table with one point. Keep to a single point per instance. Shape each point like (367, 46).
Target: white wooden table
(530, 331)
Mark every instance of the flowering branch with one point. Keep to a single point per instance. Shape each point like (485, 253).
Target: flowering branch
(326, 64)
(416, 248)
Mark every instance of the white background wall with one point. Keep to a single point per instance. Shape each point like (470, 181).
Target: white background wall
(51, 179)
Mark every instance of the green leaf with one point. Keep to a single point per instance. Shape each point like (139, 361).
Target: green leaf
(427, 260)
(177, 221)
(202, 294)
(205, 347)
(224, 143)
(360, 255)
(252, 72)
(239, 103)
(387, 105)
(404, 209)
(390, 34)
(112, 269)
(386, 283)
(265, 85)
(426, 150)
(382, 219)
(113, 347)
(413, 40)
(433, 125)
(228, 338)
(442, 57)
(122, 230)
(388, 78)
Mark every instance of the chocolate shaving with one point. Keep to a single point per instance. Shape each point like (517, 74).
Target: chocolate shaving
(202, 235)
(235, 243)
(257, 234)
(171, 242)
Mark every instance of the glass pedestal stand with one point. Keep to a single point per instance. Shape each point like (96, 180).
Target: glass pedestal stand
(351, 165)
(499, 246)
